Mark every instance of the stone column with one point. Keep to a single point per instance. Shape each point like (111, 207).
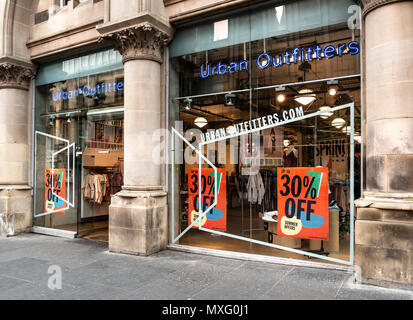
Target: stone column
(384, 227)
(106, 12)
(138, 219)
(15, 151)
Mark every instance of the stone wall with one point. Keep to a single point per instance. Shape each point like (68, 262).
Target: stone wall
(384, 227)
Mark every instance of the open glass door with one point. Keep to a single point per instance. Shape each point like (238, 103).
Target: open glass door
(79, 140)
(55, 182)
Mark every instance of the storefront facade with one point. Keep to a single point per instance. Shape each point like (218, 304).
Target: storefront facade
(254, 70)
(104, 125)
(79, 101)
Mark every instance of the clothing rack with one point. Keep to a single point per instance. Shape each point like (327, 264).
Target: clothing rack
(269, 201)
(96, 171)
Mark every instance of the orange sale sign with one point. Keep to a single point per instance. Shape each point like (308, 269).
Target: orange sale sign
(53, 203)
(215, 219)
(303, 203)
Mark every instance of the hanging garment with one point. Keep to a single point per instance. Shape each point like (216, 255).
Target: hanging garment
(94, 187)
(291, 158)
(100, 187)
(87, 187)
(256, 189)
(270, 183)
(118, 174)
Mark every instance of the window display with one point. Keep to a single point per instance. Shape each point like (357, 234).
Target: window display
(259, 129)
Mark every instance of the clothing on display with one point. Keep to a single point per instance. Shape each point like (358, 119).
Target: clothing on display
(269, 177)
(95, 187)
(339, 191)
(256, 189)
(118, 174)
(291, 157)
(242, 184)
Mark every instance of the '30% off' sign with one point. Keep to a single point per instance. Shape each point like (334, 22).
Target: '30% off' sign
(303, 203)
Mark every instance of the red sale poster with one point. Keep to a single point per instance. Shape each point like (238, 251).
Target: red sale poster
(216, 218)
(53, 203)
(303, 203)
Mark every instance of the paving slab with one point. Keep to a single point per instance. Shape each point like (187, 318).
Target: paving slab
(91, 272)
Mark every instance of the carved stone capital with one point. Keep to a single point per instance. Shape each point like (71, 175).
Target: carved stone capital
(370, 5)
(16, 75)
(143, 42)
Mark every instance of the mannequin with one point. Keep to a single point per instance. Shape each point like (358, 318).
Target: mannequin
(291, 157)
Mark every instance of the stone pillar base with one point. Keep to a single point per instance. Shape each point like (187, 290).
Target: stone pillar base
(138, 222)
(15, 210)
(384, 246)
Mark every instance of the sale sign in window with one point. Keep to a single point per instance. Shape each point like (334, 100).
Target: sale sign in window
(303, 203)
(216, 218)
(57, 179)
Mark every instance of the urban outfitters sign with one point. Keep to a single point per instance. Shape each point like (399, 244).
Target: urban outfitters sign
(265, 60)
(86, 91)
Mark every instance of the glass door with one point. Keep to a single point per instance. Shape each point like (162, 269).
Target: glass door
(55, 178)
(100, 169)
(78, 153)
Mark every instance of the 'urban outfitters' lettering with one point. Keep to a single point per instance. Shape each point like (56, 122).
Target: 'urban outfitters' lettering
(86, 91)
(265, 60)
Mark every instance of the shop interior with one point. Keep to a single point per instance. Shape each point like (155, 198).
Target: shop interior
(320, 141)
(224, 100)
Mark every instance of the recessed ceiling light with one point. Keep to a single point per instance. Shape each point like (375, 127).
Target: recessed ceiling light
(281, 98)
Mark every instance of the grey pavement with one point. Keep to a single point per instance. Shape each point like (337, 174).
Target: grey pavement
(90, 272)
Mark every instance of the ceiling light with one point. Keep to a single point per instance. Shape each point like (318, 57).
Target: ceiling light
(338, 123)
(201, 122)
(305, 97)
(333, 87)
(326, 110)
(347, 130)
(106, 111)
(281, 98)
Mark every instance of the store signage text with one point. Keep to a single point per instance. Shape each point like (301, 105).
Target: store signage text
(55, 183)
(86, 91)
(265, 60)
(255, 124)
(303, 203)
(215, 219)
(335, 148)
